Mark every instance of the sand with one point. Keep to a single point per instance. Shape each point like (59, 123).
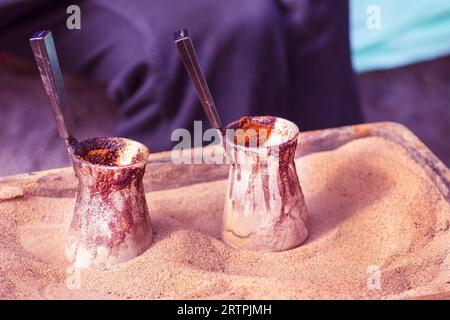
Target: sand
(371, 208)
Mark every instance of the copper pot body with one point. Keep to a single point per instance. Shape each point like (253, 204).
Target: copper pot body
(111, 223)
(265, 208)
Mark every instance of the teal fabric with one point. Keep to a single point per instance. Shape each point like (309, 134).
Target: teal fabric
(411, 31)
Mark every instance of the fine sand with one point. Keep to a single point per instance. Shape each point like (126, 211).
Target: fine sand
(370, 206)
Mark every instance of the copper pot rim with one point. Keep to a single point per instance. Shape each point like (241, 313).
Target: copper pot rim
(140, 163)
(281, 146)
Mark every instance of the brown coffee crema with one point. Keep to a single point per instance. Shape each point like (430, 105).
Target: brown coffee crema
(250, 129)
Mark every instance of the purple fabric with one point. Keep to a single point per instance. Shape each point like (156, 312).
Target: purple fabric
(278, 57)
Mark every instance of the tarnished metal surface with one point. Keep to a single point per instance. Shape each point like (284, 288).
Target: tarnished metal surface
(47, 61)
(111, 223)
(189, 58)
(265, 208)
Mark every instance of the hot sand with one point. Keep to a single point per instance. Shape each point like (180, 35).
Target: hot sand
(370, 204)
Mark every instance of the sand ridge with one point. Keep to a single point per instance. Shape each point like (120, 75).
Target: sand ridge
(370, 204)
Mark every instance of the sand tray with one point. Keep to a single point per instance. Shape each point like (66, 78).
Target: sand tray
(379, 228)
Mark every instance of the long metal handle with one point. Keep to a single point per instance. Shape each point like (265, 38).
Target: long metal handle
(190, 61)
(47, 61)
